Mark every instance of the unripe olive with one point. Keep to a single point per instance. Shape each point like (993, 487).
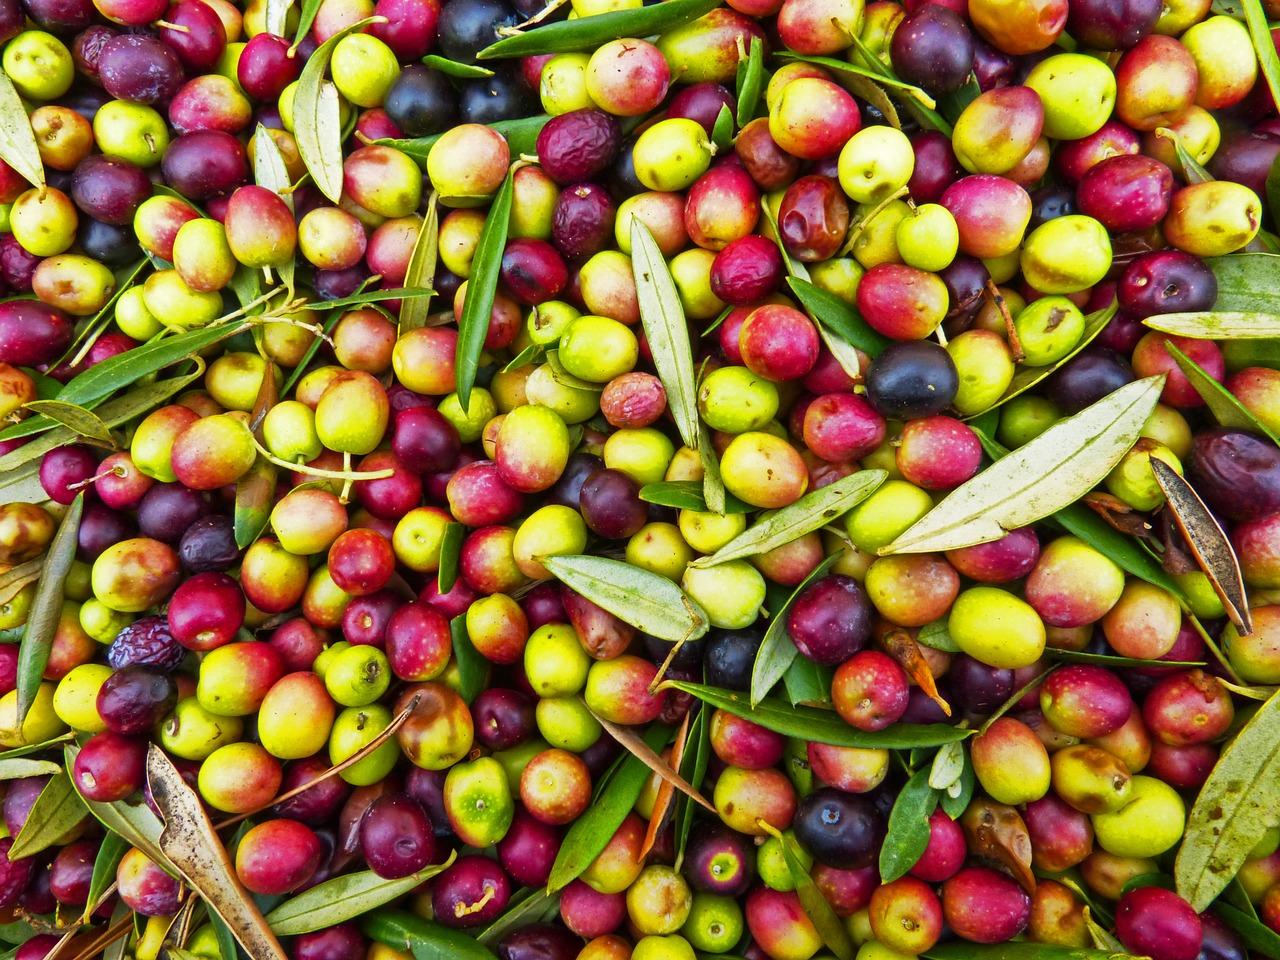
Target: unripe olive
(731, 593)
(1068, 254)
(997, 628)
(671, 154)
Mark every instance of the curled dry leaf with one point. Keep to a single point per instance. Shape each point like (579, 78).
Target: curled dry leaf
(1208, 542)
(666, 789)
(634, 745)
(1118, 514)
(998, 833)
(899, 645)
(192, 845)
(13, 580)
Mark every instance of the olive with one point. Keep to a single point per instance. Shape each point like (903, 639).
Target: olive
(468, 26)
(421, 101)
(1087, 378)
(502, 96)
(912, 379)
(729, 658)
(840, 829)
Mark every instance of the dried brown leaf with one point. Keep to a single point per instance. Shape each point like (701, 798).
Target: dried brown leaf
(632, 743)
(666, 790)
(900, 645)
(192, 845)
(1208, 542)
(996, 832)
(1118, 514)
(15, 579)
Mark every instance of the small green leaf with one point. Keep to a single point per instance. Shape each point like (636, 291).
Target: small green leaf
(808, 683)
(317, 121)
(814, 510)
(646, 600)
(46, 608)
(344, 898)
(1039, 478)
(665, 329)
(751, 82)
(534, 906)
(837, 316)
(954, 103)
(955, 801)
(521, 136)
(587, 33)
(592, 831)
(532, 354)
(363, 297)
(482, 287)
(1222, 403)
(830, 927)
(83, 423)
(421, 271)
(110, 852)
(1233, 810)
(15, 768)
(908, 832)
(55, 813)
(17, 140)
(306, 17)
(820, 726)
(1113, 661)
(452, 68)
(1247, 282)
(1255, 19)
(405, 931)
(686, 495)
(693, 767)
(1258, 937)
(722, 131)
(777, 651)
(255, 496)
(473, 669)
(937, 636)
(450, 553)
(1192, 170)
(1218, 324)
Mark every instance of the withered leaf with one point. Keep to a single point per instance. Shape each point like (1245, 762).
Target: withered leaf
(997, 832)
(899, 645)
(666, 790)
(1208, 542)
(1118, 514)
(634, 745)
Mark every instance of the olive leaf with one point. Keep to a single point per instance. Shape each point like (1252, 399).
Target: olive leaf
(820, 726)
(1258, 937)
(866, 84)
(450, 553)
(17, 140)
(1247, 282)
(56, 812)
(750, 82)
(713, 491)
(345, 898)
(533, 906)
(110, 852)
(1222, 403)
(16, 579)
(834, 315)
(1218, 324)
(521, 135)
(46, 608)
(482, 287)
(666, 330)
(808, 683)
(473, 669)
(15, 768)
(634, 745)
(1017, 950)
(831, 928)
(1039, 478)
(255, 495)
(317, 119)
(1027, 377)
(452, 68)
(587, 33)
(22, 483)
(777, 651)
(937, 636)
(666, 792)
(814, 510)
(722, 129)
(1237, 804)
(883, 76)
(269, 171)
(421, 271)
(693, 767)
(85, 424)
(427, 940)
(1208, 543)
(908, 831)
(1272, 187)
(686, 495)
(275, 18)
(592, 831)
(192, 845)
(926, 115)
(1255, 19)
(647, 601)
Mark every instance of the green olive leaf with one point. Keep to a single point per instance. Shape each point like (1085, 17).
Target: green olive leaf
(317, 121)
(1038, 479)
(269, 171)
(15, 768)
(713, 491)
(808, 683)
(647, 601)
(55, 813)
(450, 553)
(1247, 282)
(83, 423)
(1027, 377)
(532, 906)
(345, 898)
(1218, 324)
(255, 495)
(937, 636)
(1237, 804)
(452, 68)
(46, 608)
(521, 135)
(1258, 937)
(722, 130)
(1192, 170)
(421, 271)
(814, 510)
(693, 767)
(592, 831)
(1255, 19)
(820, 726)
(834, 315)
(830, 927)
(777, 651)
(1222, 403)
(908, 831)
(686, 495)
(482, 287)
(750, 82)
(1208, 542)
(110, 852)
(22, 483)
(429, 941)
(1113, 661)
(587, 33)
(883, 76)
(473, 669)
(17, 140)
(1018, 950)
(665, 329)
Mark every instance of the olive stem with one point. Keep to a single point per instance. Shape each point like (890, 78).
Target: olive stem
(997, 298)
(347, 476)
(856, 233)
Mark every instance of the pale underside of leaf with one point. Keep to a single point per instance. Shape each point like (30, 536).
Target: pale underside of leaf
(1039, 478)
(1217, 325)
(666, 330)
(84, 423)
(641, 751)
(1208, 542)
(17, 140)
(422, 267)
(191, 844)
(815, 509)
(777, 650)
(1237, 804)
(645, 600)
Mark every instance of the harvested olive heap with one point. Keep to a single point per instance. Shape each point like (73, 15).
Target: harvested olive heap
(744, 479)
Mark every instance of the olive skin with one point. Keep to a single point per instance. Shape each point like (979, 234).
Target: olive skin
(912, 380)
